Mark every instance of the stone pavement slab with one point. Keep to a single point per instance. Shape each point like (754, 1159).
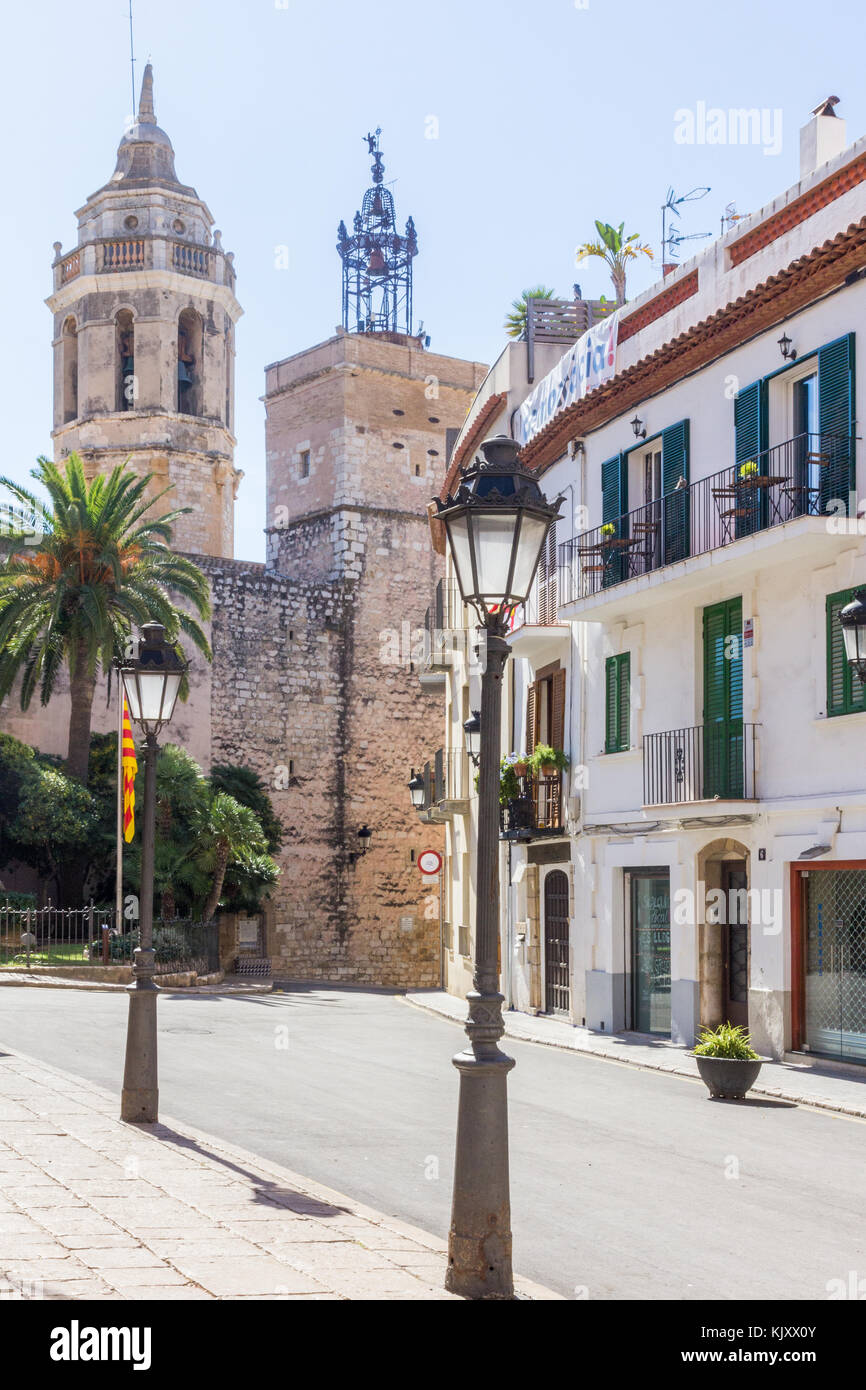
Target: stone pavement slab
(819, 1084)
(94, 1208)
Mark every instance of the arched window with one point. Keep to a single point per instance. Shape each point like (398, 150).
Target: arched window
(126, 388)
(69, 359)
(189, 374)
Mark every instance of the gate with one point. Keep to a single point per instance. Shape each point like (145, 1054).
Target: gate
(556, 987)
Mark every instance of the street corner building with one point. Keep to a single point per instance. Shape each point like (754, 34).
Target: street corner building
(702, 857)
(313, 681)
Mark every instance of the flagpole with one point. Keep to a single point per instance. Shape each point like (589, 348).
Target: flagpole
(118, 891)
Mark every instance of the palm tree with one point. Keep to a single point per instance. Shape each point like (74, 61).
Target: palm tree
(515, 321)
(101, 567)
(235, 835)
(616, 251)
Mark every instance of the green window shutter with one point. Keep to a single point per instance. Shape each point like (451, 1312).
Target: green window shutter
(750, 432)
(836, 420)
(617, 692)
(845, 690)
(723, 699)
(676, 505)
(614, 504)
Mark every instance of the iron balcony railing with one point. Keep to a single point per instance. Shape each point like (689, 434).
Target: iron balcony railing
(809, 475)
(703, 763)
(445, 626)
(537, 811)
(446, 779)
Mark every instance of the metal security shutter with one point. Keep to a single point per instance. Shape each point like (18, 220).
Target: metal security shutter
(675, 465)
(845, 690)
(617, 683)
(836, 420)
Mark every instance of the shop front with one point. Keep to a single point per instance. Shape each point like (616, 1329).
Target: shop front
(649, 897)
(829, 960)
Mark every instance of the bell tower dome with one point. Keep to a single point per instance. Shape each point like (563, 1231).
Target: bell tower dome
(144, 320)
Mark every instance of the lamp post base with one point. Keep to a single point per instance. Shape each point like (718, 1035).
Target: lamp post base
(479, 1242)
(139, 1102)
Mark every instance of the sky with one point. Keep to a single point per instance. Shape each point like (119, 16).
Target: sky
(507, 129)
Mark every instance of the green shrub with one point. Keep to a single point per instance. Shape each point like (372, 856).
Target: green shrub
(728, 1040)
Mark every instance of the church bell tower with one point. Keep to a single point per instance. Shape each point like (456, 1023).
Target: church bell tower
(144, 321)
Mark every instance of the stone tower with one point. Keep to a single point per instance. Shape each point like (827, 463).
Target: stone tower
(144, 318)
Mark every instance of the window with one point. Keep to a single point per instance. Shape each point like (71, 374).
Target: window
(189, 353)
(617, 671)
(69, 360)
(304, 465)
(545, 710)
(125, 381)
(845, 691)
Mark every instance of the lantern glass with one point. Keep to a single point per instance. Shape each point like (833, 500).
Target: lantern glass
(533, 534)
(472, 731)
(461, 552)
(493, 538)
(416, 791)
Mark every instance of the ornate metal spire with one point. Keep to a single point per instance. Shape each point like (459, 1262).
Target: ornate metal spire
(377, 260)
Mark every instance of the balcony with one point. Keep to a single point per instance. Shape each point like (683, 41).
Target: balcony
(707, 762)
(731, 513)
(536, 812)
(445, 635)
(536, 632)
(446, 786)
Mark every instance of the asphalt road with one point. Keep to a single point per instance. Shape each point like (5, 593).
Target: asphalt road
(625, 1183)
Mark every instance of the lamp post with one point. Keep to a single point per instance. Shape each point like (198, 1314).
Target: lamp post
(853, 623)
(151, 681)
(497, 524)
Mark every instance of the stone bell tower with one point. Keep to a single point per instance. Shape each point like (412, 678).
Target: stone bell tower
(144, 319)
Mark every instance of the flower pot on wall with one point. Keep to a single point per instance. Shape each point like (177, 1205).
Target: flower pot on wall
(728, 1078)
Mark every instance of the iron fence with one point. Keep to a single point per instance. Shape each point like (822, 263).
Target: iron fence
(536, 811)
(59, 937)
(702, 763)
(809, 475)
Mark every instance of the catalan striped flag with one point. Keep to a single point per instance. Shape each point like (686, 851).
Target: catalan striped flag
(130, 768)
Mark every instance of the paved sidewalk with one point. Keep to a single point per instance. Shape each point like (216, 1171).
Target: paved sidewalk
(231, 984)
(822, 1085)
(91, 1208)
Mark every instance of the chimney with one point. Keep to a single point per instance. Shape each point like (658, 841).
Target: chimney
(822, 139)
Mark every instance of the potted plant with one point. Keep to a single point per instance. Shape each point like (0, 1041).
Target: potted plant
(509, 783)
(727, 1062)
(518, 762)
(749, 469)
(608, 530)
(547, 761)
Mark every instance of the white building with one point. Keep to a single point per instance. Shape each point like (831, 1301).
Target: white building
(705, 856)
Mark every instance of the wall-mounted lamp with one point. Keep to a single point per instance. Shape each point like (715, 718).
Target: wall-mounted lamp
(416, 790)
(788, 351)
(365, 835)
(639, 428)
(472, 733)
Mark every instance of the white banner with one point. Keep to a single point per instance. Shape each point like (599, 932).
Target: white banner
(590, 363)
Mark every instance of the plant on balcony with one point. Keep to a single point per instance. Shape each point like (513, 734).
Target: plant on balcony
(749, 469)
(547, 761)
(616, 250)
(509, 783)
(727, 1062)
(515, 322)
(608, 529)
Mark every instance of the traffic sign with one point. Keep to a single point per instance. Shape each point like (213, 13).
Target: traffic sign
(429, 861)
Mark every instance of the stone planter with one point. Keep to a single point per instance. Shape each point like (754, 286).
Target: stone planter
(728, 1078)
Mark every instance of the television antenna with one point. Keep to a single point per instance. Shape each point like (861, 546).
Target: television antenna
(730, 217)
(671, 207)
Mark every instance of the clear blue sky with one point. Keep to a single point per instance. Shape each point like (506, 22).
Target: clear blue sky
(550, 114)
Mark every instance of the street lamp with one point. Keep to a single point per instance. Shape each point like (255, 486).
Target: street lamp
(497, 524)
(416, 790)
(472, 734)
(151, 681)
(853, 621)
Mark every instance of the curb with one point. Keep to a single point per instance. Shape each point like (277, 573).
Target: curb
(525, 1289)
(857, 1112)
(49, 982)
